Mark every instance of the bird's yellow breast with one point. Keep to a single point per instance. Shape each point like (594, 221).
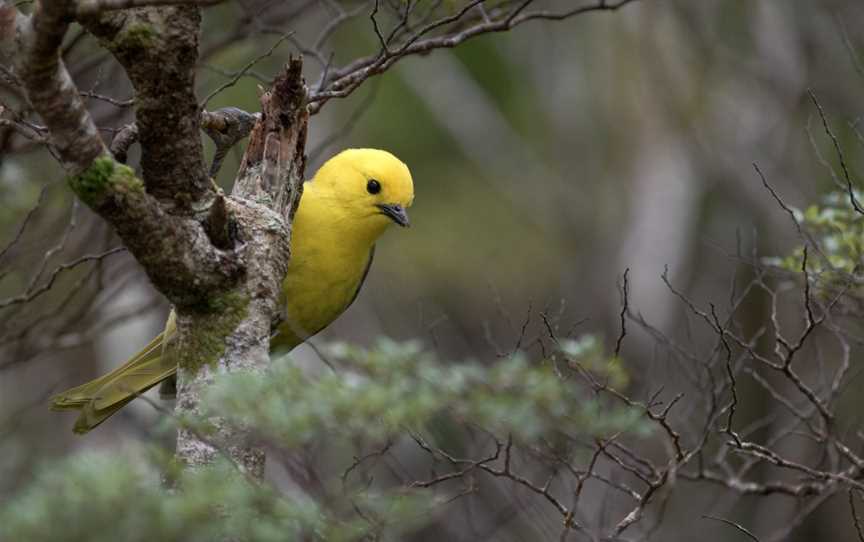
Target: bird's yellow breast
(327, 267)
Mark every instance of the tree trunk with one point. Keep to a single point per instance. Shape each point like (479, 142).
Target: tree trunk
(233, 333)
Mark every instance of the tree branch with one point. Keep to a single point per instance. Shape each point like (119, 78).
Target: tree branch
(175, 252)
(158, 48)
(345, 80)
(49, 87)
(236, 336)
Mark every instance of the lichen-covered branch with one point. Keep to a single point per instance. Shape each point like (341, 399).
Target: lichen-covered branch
(50, 88)
(174, 251)
(220, 260)
(158, 48)
(234, 335)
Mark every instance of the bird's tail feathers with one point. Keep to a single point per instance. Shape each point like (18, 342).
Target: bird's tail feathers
(102, 397)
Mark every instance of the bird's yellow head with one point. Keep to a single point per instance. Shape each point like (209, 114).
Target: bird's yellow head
(368, 187)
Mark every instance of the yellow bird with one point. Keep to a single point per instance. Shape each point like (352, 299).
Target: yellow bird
(345, 208)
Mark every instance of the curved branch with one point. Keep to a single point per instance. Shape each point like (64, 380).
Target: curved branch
(346, 79)
(49, 86)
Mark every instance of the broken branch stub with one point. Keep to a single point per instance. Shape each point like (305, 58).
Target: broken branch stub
(274, 162)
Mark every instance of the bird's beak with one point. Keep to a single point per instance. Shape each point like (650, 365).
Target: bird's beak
(396, 213)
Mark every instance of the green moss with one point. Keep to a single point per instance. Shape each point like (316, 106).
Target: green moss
(135, 36)
(217, 318)
(104, 176)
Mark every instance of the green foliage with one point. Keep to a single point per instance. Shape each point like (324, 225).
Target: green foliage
(588, 353)
(838, 229)
(398, 386)
(373, 396)
(93, 497)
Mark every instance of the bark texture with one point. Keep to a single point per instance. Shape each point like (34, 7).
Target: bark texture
(158, 48)
(263, 202)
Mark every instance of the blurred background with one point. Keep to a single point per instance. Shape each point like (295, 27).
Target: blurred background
(546, 161)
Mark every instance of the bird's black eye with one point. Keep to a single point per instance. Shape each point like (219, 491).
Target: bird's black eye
(373, 186)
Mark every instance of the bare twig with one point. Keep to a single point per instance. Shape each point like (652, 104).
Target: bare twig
(34, 292)
(731, 523)
(249, 65)
(625, 294)
(346, 79)
(853, 200)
